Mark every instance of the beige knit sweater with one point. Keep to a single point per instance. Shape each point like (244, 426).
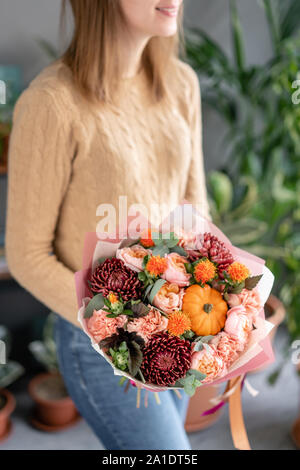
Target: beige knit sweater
(67, 157)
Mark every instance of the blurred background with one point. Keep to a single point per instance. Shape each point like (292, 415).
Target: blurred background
(247, 56)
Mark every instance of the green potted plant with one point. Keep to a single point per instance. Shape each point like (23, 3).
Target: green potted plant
(54, 409)
(4, 140)
(10, 371)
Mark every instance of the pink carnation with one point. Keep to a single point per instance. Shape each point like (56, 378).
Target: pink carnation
(101, 327)
(209, 362)
(149, 325)
(169, 298)
(176, 272)
(227, 346)
(238, 324)
(133, 256)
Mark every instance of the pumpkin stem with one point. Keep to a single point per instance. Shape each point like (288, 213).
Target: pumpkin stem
(207, 308)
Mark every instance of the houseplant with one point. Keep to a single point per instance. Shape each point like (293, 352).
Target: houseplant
(54, 409)
(10, 371)
(261, 153)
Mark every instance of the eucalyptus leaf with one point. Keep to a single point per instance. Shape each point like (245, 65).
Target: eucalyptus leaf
(96, 303)
(156, 287)
(135, 358)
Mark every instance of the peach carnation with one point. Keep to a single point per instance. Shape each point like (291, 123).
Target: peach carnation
(178, 323)
(209, 362)
(227, 346)
(156, 265)
(101, 327)
(133, 256)
(238, 271)
(250, 299)
(175, 271)
(169, 297)
(187, 240)
(238, 324)
(154, 322)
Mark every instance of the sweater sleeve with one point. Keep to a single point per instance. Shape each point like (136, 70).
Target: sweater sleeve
(40, 163)
(196, 191)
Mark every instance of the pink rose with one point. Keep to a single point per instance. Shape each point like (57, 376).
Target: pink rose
(227, 346)
(101, 327)
(176, 272)
(238, 324)
(149, 325)
(133, 256)
(209, 362)
(250, 299)
(169, 298)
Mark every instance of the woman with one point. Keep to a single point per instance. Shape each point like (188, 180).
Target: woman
(118, 114)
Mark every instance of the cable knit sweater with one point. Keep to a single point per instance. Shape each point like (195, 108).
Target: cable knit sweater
(67, 156)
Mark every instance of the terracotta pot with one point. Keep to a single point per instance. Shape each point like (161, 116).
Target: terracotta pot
(199, 403)
(5, 412)
(53, 407)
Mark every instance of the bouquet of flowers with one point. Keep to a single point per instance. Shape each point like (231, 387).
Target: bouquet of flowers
(175, 309)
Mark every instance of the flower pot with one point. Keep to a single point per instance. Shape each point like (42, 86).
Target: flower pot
(54, 409)
(7, 406)
(199, 403)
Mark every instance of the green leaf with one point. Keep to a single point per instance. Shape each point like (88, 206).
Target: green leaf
(160, 250)
(178, 249)
(252, 281)
(156, 287)
(237, 289)
(96, 303)
(198, 375)
(142, 276)
(237, 37)
(128, 312)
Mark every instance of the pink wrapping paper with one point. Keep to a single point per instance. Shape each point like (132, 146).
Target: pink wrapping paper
(97, 245)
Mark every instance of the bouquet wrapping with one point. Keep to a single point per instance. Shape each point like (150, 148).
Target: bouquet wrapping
(176, 307)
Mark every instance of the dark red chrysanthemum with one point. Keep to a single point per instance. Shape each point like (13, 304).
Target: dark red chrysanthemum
(113, 276)
(215, 250)
(166, 359)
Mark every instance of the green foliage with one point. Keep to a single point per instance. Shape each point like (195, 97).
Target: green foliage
(191, 381)
(255, 197)
(11, 370)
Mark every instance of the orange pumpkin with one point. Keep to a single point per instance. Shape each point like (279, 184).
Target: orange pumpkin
(206, 308)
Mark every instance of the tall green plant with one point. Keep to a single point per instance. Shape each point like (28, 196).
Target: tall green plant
(262, 143)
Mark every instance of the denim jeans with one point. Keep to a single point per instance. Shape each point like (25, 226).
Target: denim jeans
(110, 412)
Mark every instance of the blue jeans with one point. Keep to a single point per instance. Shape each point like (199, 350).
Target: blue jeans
(110, 412)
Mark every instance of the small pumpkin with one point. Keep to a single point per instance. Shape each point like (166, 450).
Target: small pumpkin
(206, 308)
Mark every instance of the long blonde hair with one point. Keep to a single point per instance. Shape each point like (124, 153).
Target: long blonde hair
(94, 51)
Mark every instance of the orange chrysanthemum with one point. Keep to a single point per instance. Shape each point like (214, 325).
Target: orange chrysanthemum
(205, 271)
(178, 323)
(146, 238)
(238, 271)
(112, 298)
(156, 265)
